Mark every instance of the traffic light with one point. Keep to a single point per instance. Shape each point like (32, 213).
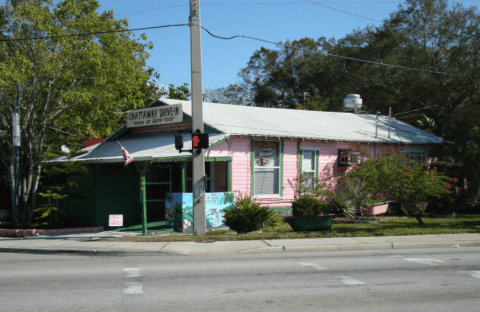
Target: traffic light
(199, 140)
(178, 141)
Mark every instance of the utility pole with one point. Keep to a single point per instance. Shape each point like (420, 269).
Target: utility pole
(199, 222)
(16, 145)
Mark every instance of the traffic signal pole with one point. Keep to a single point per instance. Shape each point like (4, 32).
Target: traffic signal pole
(199, 222)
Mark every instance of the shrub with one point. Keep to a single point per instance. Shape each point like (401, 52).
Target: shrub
(275, 220)
(247, 216)
(341, 203)
(308, 206)
(50, 215)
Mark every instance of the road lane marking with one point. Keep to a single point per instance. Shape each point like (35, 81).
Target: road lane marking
(350, 281)
(135, 288)
(475, 273)
(425, 261)
(131, 272)
(313, 265)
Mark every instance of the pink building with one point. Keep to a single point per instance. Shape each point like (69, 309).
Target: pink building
(253, 151)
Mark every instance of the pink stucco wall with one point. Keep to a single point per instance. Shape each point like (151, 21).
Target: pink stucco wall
(239, 149)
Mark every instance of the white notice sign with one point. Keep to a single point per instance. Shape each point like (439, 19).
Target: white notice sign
(115, 220)
(155, 116)
(199, 189)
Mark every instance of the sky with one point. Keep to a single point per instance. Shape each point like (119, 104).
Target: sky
(272, 20)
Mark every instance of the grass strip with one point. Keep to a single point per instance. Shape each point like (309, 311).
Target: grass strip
(395, 226)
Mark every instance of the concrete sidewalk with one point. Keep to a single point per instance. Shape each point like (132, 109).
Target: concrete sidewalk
(88, 244)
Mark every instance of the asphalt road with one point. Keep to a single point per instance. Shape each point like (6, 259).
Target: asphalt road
(380, 280)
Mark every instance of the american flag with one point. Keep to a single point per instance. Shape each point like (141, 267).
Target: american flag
(126, 155)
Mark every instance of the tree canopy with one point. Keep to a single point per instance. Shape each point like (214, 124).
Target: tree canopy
(71, 81)
(423, 62)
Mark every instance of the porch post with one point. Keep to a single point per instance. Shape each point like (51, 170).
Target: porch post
(252, 166)
(143, 170)
(184, 174)
(144, 202)
(229, 176)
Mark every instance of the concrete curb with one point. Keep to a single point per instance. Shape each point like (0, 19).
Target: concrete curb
(87, 252)
(261, 250)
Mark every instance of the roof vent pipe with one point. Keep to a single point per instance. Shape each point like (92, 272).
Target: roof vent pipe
(352, 103)
(376, 125)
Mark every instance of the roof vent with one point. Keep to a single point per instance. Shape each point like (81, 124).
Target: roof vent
(352, 103)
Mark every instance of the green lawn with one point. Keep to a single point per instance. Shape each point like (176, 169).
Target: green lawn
(391, 226)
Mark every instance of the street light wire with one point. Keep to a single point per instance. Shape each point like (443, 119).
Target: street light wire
(341, 11)
(92, 33)
(416, 110)
(279, 44)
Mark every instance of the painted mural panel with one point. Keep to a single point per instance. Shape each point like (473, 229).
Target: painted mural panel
(179, 209)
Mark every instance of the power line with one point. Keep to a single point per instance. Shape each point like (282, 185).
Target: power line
(410, 116)
(329, 54)
(416, 110)
(91, 33)
(345, 12)
(229, 38)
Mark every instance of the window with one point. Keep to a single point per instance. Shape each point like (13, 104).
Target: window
(157, 182)
(415, 156)
(346, 157)
(209, 172)
(309, 166)
(266, 168)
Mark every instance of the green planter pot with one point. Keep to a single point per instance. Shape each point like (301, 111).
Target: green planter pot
(310, 224)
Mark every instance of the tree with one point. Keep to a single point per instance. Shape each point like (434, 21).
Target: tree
(279, 78)
(69, 82)
(435, 80)
(442, 43)
(237, 93)
(180, 93)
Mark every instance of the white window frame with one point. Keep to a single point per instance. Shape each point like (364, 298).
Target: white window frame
(316, 151)
(279, 167)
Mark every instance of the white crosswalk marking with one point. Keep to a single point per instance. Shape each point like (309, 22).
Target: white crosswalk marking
(475, 273)
(131, 272)
(350, 281)
(424, 261)
(133, 288)
(313, 265)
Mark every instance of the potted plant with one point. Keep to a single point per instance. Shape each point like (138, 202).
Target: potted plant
(376, 207)
(396, 177)
(309, 215)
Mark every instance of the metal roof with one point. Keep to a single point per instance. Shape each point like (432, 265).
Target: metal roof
(257, 121)
(142, 147)
(293, 123)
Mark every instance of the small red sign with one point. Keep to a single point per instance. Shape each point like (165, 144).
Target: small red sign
(115, 220)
